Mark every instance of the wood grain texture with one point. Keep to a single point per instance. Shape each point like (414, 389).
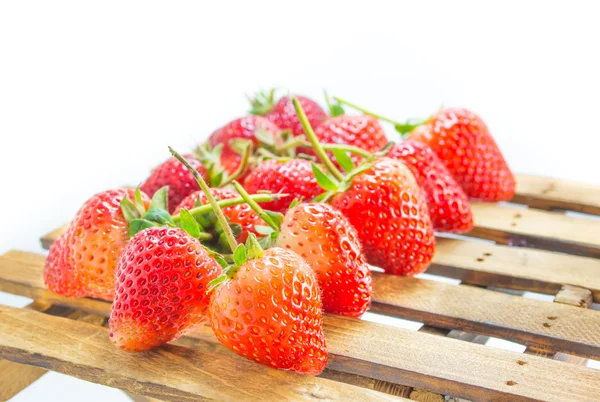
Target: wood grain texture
(548, 193)
(461, 307)
(15, 377)
(169, 373)
(521, 227)
(518, 268)
(491, 313)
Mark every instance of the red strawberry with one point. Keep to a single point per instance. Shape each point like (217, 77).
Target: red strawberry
(161, 291)
(270, 312)
(240, 214)
(362, 131)
(329, 244)
(463, 142)
(448, 205)
(385, 205)
(283, 114)
(243, 128)
(83, 261)
(59, 275)
(173, 174)
(294, 177)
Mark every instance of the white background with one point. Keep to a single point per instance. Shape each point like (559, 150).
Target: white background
(91, 93)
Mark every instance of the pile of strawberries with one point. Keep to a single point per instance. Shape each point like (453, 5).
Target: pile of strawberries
(274, 221)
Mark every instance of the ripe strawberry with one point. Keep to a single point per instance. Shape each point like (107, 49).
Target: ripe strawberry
(448, 205)
(382, 200)
(362, 131)
(463, 142)
(386, 206)
(243, 128)
(329, 244)
(161, 291)
(59, 275)
(282, 112)
(294, 177)
(82, 261)
(270, 312)
(173, 174)
(240, 214)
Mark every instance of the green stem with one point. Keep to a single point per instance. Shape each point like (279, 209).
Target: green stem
(348, 148)
(205, 236)
(203, 209)
(211, 200)
(255, 207)
(365, 111)
(310, 134)
(246, 153)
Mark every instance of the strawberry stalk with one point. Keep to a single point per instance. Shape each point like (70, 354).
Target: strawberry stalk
(211, 200)
(403, 128)
(255, 207)
(203, 209)
(310, 134)
(300, 142)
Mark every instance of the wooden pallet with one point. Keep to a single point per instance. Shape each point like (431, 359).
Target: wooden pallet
(538, 249)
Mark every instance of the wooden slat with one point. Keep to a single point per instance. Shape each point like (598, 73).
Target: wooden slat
(527, 227)
(514, 268)
(439, 304)
(169, 373)
(438, 364)
(549, 193)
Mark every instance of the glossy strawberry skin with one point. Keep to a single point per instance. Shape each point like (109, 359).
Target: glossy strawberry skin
(59, 273)
(448, 205)
(271, 312)
(329, 244)
(294, 177)
(161, 288)
(241, 214)
(172, 173)
(95, 241)
(242, 128)
(284, 115)
(385, 205)
(363, 131)
(464, 144)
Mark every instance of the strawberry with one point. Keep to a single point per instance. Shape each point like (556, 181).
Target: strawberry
(362, 131)
(382, 200)
(270, 312)
(83, 260)
(282, 112)
(266, 306)
(329, 244)
(385, 205)
(161, 288)
(464, 144)
(59, 275)
(448, 205)
(251, 128)
(173, 174)
(240, 214)
(294, 177)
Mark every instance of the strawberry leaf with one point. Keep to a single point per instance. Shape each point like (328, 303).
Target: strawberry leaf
(137, 225)
(139, 203)
(275, 217)
(158, 215)
(335, 109)
(323, 180)
(264, 230)
(253, 248)
(295, 202)
(239, 255)
(128, 209)
(189, 224)
(215, 283)
(160, 199)
(344, 160)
